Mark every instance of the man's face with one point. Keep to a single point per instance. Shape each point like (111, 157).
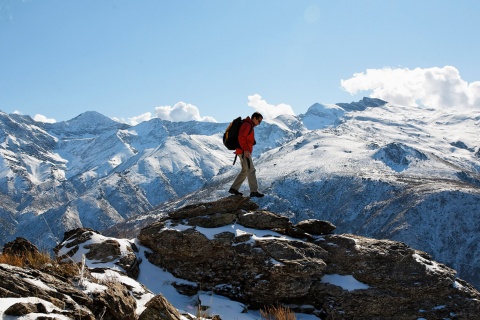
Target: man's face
(257, 121)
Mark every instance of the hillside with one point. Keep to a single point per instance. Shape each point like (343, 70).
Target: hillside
(371, 168)
(228, 259)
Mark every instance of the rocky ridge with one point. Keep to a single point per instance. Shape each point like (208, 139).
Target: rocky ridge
(232, 248)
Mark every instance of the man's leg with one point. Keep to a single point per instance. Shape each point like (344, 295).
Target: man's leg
(242, 175)
(252, 176)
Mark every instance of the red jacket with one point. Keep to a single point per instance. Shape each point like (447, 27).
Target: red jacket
(246, 136)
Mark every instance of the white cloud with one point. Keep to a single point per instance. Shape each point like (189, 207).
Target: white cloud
(267, 110)
(143, 117)
(432, 87)
(42, 118)
(181, 111)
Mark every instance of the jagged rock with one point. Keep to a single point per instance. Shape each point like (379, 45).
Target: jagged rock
(226, 205)
(263, 220)
(114, 303)
(316, 227)
(260, 271)
(101, 251)
(21, 309)
(64, 292)
(159, 308)
(264, 267)
(20, 247)
(403, 283)
(18, 282)
(213, 220)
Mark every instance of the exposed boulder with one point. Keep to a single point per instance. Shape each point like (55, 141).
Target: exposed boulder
(114, 303)
(316, 227)
(159, 308)
(102, 250)
(22, 308)
(263, 220)
(62, 293)
(20, 247)
(403, 283)
(248, 261)
(234, 262)
(64, 290)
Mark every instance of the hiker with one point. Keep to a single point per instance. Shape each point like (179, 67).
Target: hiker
(246, 139)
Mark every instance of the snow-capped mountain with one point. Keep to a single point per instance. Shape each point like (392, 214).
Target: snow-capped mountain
(371, 168)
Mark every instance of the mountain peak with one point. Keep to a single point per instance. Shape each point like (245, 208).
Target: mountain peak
(362, 104)
(88, 123)
(92, 118)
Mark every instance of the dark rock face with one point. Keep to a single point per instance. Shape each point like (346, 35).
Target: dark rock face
(18, 282)
(398, 156)
(316, 227)
(159, 308)
(403, 283)
(20, 247)
(256, 259)
(106, 251)
(114, 303)
(234, 264)
(21, 309)
(64, 292)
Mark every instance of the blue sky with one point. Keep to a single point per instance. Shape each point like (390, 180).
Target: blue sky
(216, 59)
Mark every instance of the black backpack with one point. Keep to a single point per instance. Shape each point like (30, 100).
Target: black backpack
(230, 137)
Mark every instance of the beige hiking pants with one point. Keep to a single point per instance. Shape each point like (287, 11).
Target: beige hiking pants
(246, 173)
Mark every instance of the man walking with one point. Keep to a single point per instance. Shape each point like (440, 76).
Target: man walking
(246, 139)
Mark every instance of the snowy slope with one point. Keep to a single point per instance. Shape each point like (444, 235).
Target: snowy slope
(371, 168)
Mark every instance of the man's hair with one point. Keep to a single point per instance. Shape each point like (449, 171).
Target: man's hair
(257, 115)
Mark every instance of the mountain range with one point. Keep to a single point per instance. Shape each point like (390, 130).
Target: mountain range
(372, 168)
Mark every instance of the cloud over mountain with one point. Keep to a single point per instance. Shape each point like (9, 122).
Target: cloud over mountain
(269, 111)
(181, 111)
(431, 87)
(42, 118)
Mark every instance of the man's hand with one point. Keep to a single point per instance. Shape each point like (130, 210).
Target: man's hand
(247, 154)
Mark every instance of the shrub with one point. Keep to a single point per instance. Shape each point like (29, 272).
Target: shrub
(279, 312)
(40, 261)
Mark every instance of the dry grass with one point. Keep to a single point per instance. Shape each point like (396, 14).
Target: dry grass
(277, 313)
(40, 261)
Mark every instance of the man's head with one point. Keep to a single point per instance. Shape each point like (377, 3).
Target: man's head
(256, 118)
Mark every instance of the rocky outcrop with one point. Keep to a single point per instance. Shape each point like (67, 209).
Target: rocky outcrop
(61, 290)
(232, 248)
(101, 250)
(159, 308)
(261, 258)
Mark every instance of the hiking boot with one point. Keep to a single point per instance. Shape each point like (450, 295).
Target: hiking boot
(256, 194)
(235, 192)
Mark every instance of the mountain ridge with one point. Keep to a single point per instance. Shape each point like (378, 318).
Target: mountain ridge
(402, 173)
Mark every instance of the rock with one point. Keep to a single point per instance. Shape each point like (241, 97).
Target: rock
(18, 282)
(226, 205)
(20, 247)
(252, 261)
(256, 271)
(101, 250)
(263, 220)
(316, 227)
(21, 309)
(212, 221)
(159, 308)
(403, 283)
(114, 303)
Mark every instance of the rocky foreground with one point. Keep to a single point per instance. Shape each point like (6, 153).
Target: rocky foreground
(256, 257)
